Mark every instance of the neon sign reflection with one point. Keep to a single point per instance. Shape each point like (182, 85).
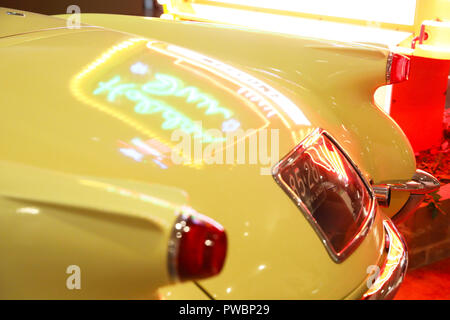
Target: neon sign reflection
(131, 85)
(165, 85)
(268, 99)
(252, 85)
(153, 150)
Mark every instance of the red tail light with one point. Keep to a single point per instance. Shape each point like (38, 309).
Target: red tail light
(198, 248)
(397, 68)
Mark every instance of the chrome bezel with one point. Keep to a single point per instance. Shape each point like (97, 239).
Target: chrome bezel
(173, 248)
(389, 67)
(337, 257)
(15, 13)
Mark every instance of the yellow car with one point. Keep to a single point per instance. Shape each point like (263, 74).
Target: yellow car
(103, 196)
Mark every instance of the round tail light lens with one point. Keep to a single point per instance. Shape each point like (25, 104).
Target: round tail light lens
(197, 248)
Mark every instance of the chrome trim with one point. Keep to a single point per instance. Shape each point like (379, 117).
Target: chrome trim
(14, 13)
(337, 257)
(383, 195)
(174, 243)
(393, 271)
(389, 67)
(421, 183)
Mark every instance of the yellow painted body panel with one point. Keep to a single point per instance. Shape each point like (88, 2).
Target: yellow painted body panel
(182, 291)
(51, 220)
(31, 22)
(318, 74)
(64, 137)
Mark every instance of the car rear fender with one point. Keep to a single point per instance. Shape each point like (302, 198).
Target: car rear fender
(116, 232)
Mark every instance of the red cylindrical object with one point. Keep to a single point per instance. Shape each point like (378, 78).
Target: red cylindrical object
(418, 104)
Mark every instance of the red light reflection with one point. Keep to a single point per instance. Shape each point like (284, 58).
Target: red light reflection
(326, 155)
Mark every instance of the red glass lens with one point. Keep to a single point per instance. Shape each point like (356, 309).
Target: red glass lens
(201, 247)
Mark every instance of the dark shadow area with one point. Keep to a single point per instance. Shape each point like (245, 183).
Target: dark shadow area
(50, 7)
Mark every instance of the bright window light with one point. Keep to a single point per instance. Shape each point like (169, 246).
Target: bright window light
(389, 11)
(300, 26)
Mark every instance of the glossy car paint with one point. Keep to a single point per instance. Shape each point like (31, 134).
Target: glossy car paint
(71, 196)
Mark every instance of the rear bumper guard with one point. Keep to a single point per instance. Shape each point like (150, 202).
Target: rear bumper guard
(418, 187)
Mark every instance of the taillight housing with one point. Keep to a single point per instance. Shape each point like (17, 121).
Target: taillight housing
(197, 247)
(330, 191)
(397, 68)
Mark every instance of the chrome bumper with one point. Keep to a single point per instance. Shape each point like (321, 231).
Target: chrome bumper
(393, 270)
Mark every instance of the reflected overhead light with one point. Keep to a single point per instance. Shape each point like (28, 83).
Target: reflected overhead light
(151, 149)
(139, 68)
(160, 164)
(230, 125)
(28, 210)
(166, 16)
(145, 147)
(133, 154)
